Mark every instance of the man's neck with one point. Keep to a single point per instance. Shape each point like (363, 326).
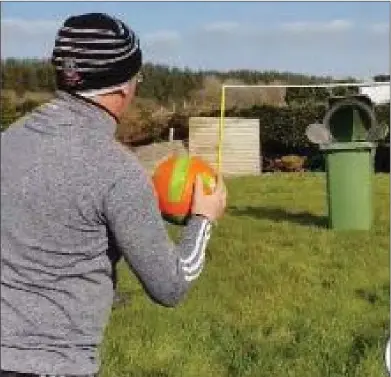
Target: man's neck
(94, 101)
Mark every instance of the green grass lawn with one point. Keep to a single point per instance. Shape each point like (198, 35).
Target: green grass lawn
(280, 295)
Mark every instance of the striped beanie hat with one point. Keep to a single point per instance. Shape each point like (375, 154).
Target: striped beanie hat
(95, 53)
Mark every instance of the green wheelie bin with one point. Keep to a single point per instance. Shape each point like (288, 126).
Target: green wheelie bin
(349, 175)
(347, 139)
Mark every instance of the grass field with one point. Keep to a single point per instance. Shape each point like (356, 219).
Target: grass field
(281, 295)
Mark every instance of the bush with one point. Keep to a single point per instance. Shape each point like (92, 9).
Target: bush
(316, 162)
(382, 159)
(27, 106)
(9, 112)
(282, 131)
(290, 163)
(285, 127)
(293, 163)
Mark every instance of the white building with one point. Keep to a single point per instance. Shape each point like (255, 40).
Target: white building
(379, 94)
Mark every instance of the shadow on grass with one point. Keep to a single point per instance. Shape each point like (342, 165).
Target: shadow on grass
(277, 214)
(122, 299)
(150, 373)
(363, 343)
(375, 296)
(238, 352)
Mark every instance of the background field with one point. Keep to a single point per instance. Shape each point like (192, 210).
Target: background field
(280, 295)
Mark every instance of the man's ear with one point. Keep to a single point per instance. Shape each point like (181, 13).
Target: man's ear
(124, 91)
(131, 90)
(132, 85)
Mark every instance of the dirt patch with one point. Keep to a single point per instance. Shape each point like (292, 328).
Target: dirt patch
(151, 154)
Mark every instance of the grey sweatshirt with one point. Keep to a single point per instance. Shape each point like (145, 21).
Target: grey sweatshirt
(73, 201)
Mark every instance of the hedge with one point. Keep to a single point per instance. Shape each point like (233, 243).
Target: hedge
(282, 129)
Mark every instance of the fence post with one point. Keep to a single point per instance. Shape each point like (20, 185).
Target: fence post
(171, 135)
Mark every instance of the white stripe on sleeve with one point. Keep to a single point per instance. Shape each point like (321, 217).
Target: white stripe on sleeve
(194, 252)
(194, 269)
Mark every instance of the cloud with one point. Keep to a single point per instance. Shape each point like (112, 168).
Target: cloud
(380, 28)
(333, 47)
(32, 38)
(221, 27)
(163, 46)
(30, 27)
(236, 37)
(162, 37)
(333, 26)
(218, 39)
(327, 47)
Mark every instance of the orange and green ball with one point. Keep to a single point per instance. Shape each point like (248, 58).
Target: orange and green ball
(174, 180)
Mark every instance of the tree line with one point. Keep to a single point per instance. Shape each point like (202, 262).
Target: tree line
(168, 96)
(167, 86)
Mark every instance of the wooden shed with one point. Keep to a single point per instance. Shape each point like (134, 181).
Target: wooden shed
(241, 153)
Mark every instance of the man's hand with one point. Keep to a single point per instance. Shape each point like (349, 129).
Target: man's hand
(210, 206)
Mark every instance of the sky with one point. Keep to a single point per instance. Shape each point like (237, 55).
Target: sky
(336, 39)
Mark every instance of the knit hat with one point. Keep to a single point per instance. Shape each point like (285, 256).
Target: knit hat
(93, 52)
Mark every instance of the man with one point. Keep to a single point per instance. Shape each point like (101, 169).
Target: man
(73, 200)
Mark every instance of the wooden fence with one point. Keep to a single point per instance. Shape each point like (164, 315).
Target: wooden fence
(241, 154)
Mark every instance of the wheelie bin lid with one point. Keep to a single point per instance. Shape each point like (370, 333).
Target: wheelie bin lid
(355, 145)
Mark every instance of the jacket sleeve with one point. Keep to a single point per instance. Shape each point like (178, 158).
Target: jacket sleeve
(164, 269)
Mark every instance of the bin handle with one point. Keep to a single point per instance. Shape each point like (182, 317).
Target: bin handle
(350, 102)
